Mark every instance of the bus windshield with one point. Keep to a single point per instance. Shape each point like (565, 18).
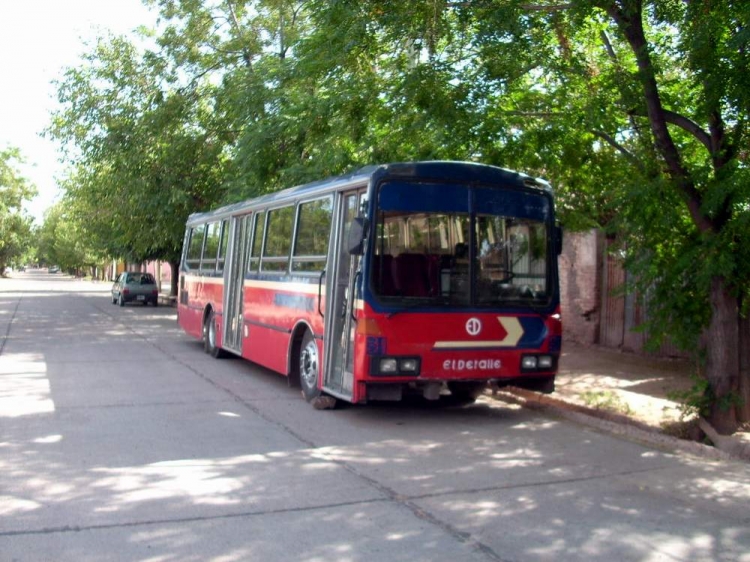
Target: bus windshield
(493, 252)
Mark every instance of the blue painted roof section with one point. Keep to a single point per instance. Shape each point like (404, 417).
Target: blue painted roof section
(464, 172)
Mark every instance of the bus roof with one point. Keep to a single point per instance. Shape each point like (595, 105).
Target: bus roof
(469, 172)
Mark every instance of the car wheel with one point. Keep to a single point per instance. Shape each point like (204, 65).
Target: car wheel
(114, 300)
(156, 302)
(309, 367)
(209, 341)
(121, 300)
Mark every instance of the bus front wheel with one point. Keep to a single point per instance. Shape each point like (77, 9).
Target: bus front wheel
(309, 367)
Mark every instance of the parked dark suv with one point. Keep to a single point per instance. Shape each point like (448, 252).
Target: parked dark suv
(135, 286)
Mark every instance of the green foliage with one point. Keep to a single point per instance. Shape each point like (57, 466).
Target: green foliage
(59, 241)
(605, 400)
(143, 151)
(642, 134)
(15, 225)
(695, 401)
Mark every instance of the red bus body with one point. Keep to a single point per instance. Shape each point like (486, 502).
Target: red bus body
(422, 305)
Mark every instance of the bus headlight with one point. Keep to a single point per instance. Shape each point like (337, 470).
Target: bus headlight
(528, 362)
(388, 365)
(537, 363)
(545, 362)
(408, 365)
(395, 366)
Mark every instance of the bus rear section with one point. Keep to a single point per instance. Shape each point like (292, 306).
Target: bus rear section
(459, 286)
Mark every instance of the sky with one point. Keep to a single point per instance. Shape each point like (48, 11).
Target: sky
(38, 39)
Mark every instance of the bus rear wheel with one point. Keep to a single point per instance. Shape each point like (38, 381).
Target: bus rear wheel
(209, 337)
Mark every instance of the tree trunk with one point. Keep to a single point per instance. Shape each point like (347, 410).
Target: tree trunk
(722, 366)
(175, 269)
(743, 410)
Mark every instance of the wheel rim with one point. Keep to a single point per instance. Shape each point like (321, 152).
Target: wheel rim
(308, 365)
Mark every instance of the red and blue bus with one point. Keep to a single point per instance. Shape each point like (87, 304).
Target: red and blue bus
(436, 278)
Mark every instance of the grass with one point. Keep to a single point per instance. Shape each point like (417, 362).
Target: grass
(605, 400)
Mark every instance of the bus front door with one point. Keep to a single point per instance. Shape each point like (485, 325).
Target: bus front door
(234, 280)
(338, 376)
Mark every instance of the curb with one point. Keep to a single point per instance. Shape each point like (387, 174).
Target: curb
(609, 422)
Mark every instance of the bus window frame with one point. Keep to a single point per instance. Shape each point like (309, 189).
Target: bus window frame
(223, 243)
(194, 264)
(205, 262)
(278, 259)
(258, 215)
(322, 258)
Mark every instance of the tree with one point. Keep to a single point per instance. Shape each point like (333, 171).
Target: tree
(687, 70)
(636, 110)
(61, 240)
(15, 225)
(144, 151)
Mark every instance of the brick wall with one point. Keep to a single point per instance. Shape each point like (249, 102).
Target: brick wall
(580, 285)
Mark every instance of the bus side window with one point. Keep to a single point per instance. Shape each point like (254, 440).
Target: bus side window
(222, 245)
(278, 242)
(313, 230)
(211, 248)
(257, 243)
(195, 247)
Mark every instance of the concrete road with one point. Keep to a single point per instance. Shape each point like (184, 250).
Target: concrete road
(121, 440)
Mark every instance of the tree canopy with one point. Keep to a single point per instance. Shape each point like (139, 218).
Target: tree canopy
(636, 110)
(15, 225)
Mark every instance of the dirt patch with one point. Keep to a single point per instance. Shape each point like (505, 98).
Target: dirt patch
(635, 386)
(632, 393)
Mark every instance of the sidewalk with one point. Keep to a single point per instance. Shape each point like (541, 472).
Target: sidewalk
(624, 383)
(626, 394)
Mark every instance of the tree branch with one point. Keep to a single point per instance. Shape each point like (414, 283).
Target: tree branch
(550, 8)
(685, 124)
(624, 151)
(238, 29)
(630, 23)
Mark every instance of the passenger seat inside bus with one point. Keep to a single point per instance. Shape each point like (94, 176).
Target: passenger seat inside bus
(383, 275)
(411, 275)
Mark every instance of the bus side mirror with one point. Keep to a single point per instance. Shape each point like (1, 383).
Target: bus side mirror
(558, 239)
(357, 232)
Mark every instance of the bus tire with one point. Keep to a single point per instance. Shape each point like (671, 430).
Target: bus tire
(209, 338)
(309, 367)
